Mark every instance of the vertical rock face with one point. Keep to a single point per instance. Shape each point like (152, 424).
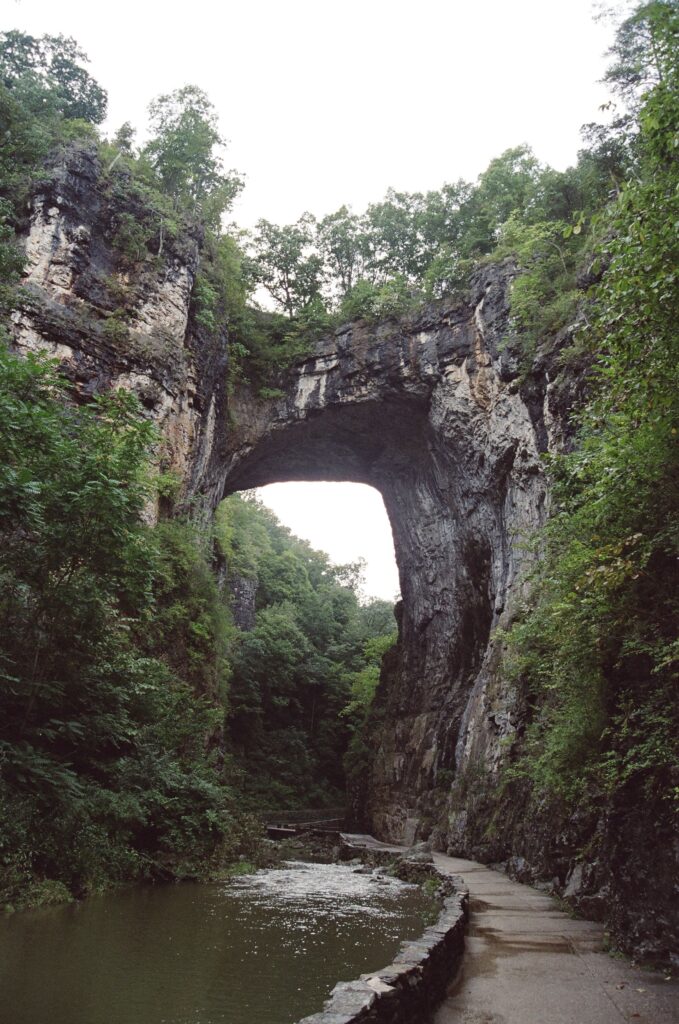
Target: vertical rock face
(429, 412)
(243, 593)
(432, 412)
(117, 323)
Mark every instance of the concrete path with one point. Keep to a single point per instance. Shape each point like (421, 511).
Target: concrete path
(526, 962)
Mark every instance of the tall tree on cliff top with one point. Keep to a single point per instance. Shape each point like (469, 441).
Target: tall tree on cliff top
(285, 265)
(184, 153)
(645, 51)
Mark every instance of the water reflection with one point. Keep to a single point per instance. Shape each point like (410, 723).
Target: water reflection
(262, 949)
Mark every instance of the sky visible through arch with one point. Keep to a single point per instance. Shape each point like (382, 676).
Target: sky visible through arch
(347, 520)
(332, 103)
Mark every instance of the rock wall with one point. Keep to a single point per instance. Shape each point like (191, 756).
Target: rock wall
(115, 323)
(431, 410)
(243, 594)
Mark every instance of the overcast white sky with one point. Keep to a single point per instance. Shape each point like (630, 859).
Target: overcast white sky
(332, 103)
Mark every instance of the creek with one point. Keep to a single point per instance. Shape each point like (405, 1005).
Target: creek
(258, 949)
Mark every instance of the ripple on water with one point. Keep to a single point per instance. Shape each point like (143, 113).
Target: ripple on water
(260, 949)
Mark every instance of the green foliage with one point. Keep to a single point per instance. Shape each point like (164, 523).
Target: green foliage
(392, 237)
(205, 303)
(544, 296)
(360, 711)
(115, 328)
(123, 139)
(447, 274)
(239, 868)
(509, 185)
(360, 301)
(364, 683)
(184, 154)
(644, 52)
(293, 672)
(597, 654)
(144, 219)
(11, 259)
(52, 64)
(110, 632)
(273, 393)
(190, 628)
(284, 265)
(130, 237)
(342, 247)
(372, 302)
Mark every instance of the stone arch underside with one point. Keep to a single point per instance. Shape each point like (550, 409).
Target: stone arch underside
(429, 413)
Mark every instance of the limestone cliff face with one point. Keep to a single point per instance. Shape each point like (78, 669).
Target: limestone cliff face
(114, 323)
(430, 410)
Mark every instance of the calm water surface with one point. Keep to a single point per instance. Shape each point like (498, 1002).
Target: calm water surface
(261, 949)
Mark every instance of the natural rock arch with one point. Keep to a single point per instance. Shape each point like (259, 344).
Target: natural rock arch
(427, 411)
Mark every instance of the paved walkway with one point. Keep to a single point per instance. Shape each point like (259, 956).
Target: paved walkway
(526, 962)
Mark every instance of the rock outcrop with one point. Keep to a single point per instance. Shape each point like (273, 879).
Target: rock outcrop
(431, 410)
(113, 322)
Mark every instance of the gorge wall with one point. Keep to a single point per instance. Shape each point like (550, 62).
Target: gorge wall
(431, 410)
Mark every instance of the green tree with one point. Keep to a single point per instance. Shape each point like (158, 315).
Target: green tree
(364, 683)
(393, 236)
(644, 52)
(123, 138)
(509, 184)
(109, 634)
(342, 245)
(184, 153)
(55, 62)
(285, 264)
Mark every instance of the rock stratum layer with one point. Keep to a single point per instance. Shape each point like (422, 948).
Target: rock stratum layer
(431, 411)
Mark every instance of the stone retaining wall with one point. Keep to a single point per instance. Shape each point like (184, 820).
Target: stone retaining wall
(407, 990)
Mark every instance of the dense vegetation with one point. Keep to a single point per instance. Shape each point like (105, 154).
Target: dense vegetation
(124, 753)
(596, 652)
(296, 671)
(117, 644)
(117, 648)
(137, 721)
(111, 656)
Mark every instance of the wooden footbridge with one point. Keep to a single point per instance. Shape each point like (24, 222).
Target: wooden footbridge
(323, 822)
(286, 824)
